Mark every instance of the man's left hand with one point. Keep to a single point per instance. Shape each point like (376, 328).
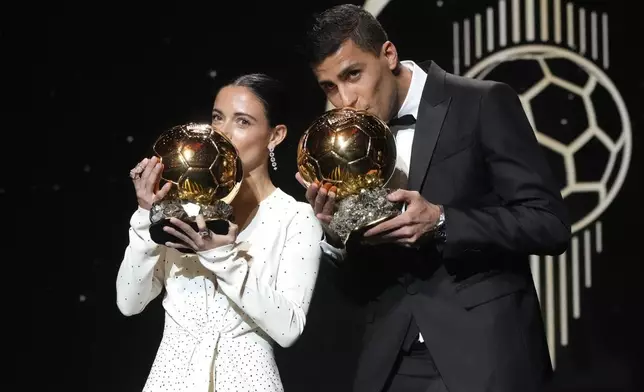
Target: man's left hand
(408, 228)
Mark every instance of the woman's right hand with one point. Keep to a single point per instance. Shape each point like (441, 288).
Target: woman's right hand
(146, 176)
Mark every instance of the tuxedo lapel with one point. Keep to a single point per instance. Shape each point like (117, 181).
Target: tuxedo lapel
(431, 115)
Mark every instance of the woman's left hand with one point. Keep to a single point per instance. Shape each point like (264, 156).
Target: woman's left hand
(202, 240)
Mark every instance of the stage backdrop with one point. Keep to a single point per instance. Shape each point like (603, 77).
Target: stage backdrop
(107, 79)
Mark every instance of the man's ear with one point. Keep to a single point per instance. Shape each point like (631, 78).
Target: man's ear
(390, 53)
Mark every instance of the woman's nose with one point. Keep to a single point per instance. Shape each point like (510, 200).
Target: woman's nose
(224, 128)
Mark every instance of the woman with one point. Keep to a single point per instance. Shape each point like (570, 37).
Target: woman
(227, 303)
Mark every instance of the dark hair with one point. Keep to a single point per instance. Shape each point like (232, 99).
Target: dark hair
(334, 26)
(270, 91)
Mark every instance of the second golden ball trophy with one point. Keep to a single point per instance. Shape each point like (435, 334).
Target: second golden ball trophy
(355, 152)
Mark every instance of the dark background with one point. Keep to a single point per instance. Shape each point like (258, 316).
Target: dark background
(101, 80)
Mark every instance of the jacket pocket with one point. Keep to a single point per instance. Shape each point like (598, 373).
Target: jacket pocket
(443, 153)
(489, 288)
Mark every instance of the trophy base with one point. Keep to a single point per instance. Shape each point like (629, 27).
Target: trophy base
(216, 215)
(158, 235)
(358, 213)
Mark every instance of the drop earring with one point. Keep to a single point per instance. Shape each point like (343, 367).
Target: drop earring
(272, 155)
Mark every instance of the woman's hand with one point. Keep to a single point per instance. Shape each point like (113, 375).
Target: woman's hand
(202, 240)
(146, 176)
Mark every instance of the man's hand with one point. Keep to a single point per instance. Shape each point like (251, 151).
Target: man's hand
(321, 198)
(408, 228)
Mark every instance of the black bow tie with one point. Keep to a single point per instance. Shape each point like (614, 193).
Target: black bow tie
(407, 119)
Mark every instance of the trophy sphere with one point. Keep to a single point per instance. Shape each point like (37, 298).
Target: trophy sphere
(348, 148)
(201, 162)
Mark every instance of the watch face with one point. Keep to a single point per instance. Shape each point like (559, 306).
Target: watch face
(441, 219)
(439, 234)
(439, 229)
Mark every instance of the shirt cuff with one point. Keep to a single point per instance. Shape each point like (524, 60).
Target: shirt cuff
(139, 233)
(336, 254)
(140, 220)
(217, 254)
(224, 263)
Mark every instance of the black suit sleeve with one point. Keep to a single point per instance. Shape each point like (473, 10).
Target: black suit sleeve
(532, 217)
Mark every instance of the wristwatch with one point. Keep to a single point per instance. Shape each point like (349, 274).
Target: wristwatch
(438, 231)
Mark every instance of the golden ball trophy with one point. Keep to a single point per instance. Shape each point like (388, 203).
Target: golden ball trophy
(206, 172)
(354, 151)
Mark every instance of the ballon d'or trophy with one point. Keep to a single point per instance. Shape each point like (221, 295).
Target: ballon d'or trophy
(354, 151)
(206, 172)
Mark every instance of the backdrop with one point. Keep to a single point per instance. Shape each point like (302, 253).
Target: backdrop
(107, 78)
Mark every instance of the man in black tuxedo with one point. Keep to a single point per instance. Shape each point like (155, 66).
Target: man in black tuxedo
(446, 286)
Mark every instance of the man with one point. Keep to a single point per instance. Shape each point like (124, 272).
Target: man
(446, 285)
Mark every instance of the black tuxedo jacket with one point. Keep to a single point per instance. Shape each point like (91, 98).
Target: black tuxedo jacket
(472, 298)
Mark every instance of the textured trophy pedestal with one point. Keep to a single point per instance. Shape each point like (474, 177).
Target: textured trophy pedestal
(358, 213)
(216, 216)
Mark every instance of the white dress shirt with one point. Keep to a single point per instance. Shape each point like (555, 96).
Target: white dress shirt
(225, 308)
(404, 140)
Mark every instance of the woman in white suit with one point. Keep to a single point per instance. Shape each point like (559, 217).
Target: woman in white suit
(227, 303)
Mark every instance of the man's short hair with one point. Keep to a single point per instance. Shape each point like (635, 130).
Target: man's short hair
(338, 24)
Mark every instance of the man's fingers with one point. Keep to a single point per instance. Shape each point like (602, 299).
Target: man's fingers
(311, 193)
(388, 225)
(320, 201)
(324, 218)
(402, 233)
(329, 205)
(401, 195)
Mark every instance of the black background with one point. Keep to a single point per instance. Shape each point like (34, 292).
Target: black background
(94, 83)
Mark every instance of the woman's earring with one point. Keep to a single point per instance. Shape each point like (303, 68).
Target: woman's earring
(272, 155)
